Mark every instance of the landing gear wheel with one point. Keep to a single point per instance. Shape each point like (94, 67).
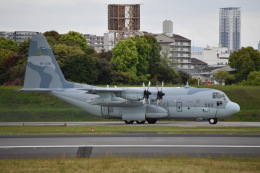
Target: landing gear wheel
(129, 121)
(140, 122)
(151, 121)
(213, 121)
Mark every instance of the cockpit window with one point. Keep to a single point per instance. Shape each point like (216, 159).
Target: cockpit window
(216, 95)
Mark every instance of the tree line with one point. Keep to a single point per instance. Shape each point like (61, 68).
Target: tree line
(132, 62)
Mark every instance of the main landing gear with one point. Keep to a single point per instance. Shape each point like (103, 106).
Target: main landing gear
(150, 121)
(213, 121)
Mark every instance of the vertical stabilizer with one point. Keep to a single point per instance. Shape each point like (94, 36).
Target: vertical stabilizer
(42, 70)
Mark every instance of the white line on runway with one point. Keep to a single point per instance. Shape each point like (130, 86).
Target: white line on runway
(112, 146)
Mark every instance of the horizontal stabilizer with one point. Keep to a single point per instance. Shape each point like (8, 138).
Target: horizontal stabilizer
(41, 90)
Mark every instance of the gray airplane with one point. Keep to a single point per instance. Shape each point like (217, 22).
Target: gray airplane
(131, 104)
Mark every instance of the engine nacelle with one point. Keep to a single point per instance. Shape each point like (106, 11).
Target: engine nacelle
(133, 94)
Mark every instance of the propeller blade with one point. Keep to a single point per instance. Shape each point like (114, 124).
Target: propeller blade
(147, 93)
(162, 85)
(157, 103)
(157, 85)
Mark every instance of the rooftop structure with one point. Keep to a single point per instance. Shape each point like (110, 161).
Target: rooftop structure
(124, 20)
(167, 26)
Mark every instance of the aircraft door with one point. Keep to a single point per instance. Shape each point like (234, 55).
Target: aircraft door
(105, 110)
(216, 112)
(179, 106)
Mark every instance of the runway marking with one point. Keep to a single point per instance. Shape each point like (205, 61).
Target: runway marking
(112, 146)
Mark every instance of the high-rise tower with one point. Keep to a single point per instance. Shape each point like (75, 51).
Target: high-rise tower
(230, 27)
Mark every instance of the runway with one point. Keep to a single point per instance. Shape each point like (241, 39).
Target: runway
(129, 145)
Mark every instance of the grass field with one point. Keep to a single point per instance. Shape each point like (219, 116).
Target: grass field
(20, 130)
(133, 165)
(18, 106)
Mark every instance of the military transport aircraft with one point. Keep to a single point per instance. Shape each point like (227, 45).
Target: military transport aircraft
(131, 104)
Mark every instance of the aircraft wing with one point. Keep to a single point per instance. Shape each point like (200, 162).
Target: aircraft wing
(106, 96)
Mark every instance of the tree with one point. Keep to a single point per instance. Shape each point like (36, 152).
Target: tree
(104, 67)
(63, 52)
(14, 67)
(184, 77)
(125, 57)
(24, 47)
(220, 76)
(8, 44)
(80, 69)
(4, 54)
(154, 55)
(12, 61)
(76, 37)
(143, 49)
(244, 61)
(53, 34)
(224, 77)
(252, 79)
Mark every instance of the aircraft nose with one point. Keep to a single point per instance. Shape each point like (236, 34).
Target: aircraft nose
(233, 108)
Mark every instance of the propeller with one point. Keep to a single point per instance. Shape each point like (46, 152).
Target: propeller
(147, 93)
(160, 94)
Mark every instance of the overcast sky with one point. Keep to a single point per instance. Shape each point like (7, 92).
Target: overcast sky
(197, 20)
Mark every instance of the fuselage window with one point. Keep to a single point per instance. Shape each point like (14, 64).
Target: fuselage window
(219, 103)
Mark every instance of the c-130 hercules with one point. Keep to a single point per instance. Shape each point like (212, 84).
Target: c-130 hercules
(130, 104)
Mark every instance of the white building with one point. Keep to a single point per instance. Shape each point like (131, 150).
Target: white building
(174, 46)
(109, 41)
(212, 55)
(97, 42)
(230, 28)
(18, 36)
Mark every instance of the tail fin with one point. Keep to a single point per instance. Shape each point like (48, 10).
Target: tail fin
(42, 70)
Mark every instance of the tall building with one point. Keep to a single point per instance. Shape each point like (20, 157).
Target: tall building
(230, 27)
(259, 46)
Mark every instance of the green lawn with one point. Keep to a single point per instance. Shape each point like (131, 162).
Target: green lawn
(132, 165)
(111, 129)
